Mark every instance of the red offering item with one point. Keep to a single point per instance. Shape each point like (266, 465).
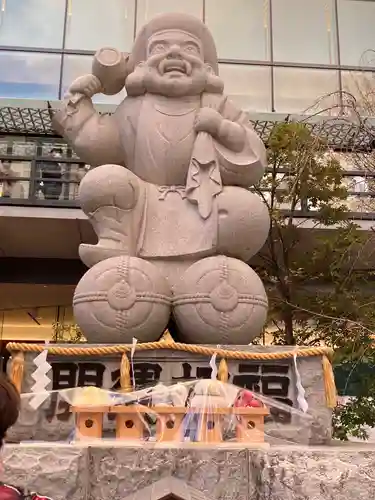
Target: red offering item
(11, 493)
(255, 403)
(246, 399)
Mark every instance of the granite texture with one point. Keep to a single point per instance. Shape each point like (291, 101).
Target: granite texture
(308, 474)
(312, 380)
(168, 193)
(34, 425)
(56, 471)
(285, 473)
(117, 473)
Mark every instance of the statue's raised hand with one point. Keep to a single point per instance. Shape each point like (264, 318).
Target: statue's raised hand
(208, 120)
(84, 86)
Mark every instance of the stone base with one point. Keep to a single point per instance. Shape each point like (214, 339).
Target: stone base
(121, 473)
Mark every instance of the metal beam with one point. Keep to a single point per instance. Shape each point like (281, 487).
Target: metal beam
(341, 134)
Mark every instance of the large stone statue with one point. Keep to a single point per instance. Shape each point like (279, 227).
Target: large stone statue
(168, 197)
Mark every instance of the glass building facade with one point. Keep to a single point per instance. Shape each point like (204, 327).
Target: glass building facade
(275, 55)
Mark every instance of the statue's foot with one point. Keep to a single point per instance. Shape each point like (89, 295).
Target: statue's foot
(113, 199)
(121, 298)
(220, 300)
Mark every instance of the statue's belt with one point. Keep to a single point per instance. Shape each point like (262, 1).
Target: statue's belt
(165, 190)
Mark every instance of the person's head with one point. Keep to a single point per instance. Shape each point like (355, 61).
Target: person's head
(174, 55)
(7, 166)
(9, 406)
(56, 152)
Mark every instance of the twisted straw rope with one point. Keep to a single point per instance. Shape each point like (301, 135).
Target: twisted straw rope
(176, 346)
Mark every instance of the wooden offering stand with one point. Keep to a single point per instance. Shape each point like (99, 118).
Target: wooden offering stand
(169, 422)
(130, 423)
(249, 424)
(89, 421)
(210, 425)
(250, 427)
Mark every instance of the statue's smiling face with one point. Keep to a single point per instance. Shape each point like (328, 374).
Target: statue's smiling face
(175, 64)
(175, 54)
(174, 67)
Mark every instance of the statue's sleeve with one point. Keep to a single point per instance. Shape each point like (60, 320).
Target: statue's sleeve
(244, 168)
(94, 137)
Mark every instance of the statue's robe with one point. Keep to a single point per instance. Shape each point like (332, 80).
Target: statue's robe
(184, 174)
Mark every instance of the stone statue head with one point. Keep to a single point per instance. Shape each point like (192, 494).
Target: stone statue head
(174, 55)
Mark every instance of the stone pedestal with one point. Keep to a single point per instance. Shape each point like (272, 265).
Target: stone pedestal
(121, 473)
(275, 379)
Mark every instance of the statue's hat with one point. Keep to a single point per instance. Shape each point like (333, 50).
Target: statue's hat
(175, 21)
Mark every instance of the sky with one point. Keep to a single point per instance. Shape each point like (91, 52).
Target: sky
(92, 24)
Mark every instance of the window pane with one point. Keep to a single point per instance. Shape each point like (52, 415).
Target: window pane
(357, 34)
(10, 186)
(93, 24)
(297, 89)
(29, 75)
(347, 160)
(3, 147)
(147, 9)
(249, 87)
(361, 204)
(16, 168)
(361, 86)
(14, 189)
(18, 146)
(75, 66)
(240, 28)
(23, 148)
(56, 181)
(303, 31)
(33, 23)
(50, 148)
(75, 173)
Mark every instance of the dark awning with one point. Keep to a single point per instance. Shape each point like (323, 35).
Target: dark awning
(29, 117)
